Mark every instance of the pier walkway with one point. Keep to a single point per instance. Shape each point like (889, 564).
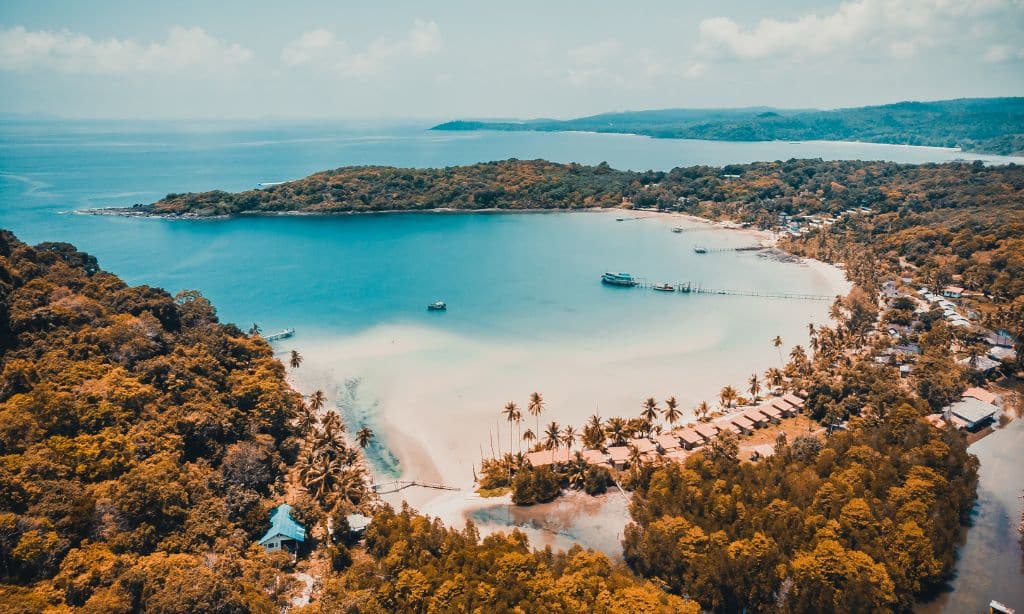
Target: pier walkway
(288, 332)
(386, 488)
(689, 287)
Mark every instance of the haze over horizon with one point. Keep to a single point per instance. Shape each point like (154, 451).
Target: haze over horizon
(114, 59)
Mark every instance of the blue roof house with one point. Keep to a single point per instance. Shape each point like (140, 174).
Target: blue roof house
(284, 533)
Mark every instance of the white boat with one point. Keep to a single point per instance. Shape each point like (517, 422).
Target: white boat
(618, 279)
(437, 306)
(664, 287)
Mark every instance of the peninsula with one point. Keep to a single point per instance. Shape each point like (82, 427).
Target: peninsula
(990, 125)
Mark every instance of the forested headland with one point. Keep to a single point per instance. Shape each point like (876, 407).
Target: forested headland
(990, 125)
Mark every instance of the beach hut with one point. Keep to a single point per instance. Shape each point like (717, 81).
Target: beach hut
(543, 458)
(706, 431)
(619, 456)
(690, 438)
(668, 442)
(744, 424)
(643, 444)
(771, 412)
(756, 417)
(725, 424)
(284, 533)
(677, 456)
(784, 408)
(793, 400)
(595, 457)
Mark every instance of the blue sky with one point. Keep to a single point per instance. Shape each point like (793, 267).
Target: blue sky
(478, 59)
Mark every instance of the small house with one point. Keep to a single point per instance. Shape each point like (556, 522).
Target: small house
(667, 442)
(643, 444)
(357, 523)
(690, 438)
(543, 458)
(284, 533)
(793, 400)
(706, 431)
(972, 412)
(619, 456)
(756, 418)
(771, 412)
(952, 292)
(595, 457)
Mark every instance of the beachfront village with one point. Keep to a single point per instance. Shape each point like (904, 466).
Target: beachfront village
(933, 343)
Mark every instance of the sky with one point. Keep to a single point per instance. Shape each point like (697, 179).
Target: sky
(471, 59)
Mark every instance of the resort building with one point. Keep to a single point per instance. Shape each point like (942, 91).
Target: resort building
(706, 431)
(690, 438)
(970, 412)
(795, 401)
(643, 444)
(769, 411)
(619, 456)
(595, 457)
(746, 425)
(284, 533)
(758, 419)
(543, 458)
(668, 442)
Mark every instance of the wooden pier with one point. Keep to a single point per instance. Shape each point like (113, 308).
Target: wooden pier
(714, 250)
(689, 287)
(386, 488)
(288, 332)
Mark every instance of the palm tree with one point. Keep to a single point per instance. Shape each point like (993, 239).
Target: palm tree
(363, 436)
(755, 386)
(322, 477)
(331, 422)
(777, 342)
(671, 413)
(529, 437)
(634, 457)
(512, 414)
(536, 407)
(255, 329)
(317, 400)
(726, 396)
(296, 359)
(616, 430)
(774, 377)
(703, 409)
(553, 436)
(569, 436)
(593, 437)
(650, 411)
(305, 421)
(577, 475)
(594, 421)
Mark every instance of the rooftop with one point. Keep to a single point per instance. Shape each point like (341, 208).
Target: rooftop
(981, 394)
(282, 523)
(972, 411)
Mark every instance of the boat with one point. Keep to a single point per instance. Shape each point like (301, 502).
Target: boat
(700, 250)
(677, 229)
(619, 279)
(619, 219)
(437, 306)
(288, 332)
(664, 287)
(995, 607)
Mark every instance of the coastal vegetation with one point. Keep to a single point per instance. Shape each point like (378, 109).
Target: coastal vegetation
(993, 125)
(143, 444)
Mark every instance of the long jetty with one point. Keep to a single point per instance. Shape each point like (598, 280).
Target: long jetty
(288, 332)
(385, 488)
(689, 287)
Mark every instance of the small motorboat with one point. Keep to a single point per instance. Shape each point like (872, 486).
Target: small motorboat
(700, 250)
(437, 306)
(677, 229)
(664, 287)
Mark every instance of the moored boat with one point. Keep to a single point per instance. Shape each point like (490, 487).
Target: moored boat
(700, 250)
(437, 306)
(618, 279)
(664, 287)
(677, 229)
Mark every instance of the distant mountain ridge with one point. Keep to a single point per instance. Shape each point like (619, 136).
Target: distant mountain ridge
(989, 125)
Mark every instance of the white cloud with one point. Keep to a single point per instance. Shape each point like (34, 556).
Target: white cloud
(66, 51)
(322, 48)
(899, 26)
(611, 63)
(1003, 53)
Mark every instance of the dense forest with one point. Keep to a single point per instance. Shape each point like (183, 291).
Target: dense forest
(992, 125)
(143, 444)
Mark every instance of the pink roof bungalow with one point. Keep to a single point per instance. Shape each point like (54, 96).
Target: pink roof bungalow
(643, 444)
(707, 431)
(668, 442)
(690, 438)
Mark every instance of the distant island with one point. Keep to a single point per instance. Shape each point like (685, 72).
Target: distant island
(988, 125)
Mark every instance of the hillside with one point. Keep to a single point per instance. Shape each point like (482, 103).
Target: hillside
(989, 125)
